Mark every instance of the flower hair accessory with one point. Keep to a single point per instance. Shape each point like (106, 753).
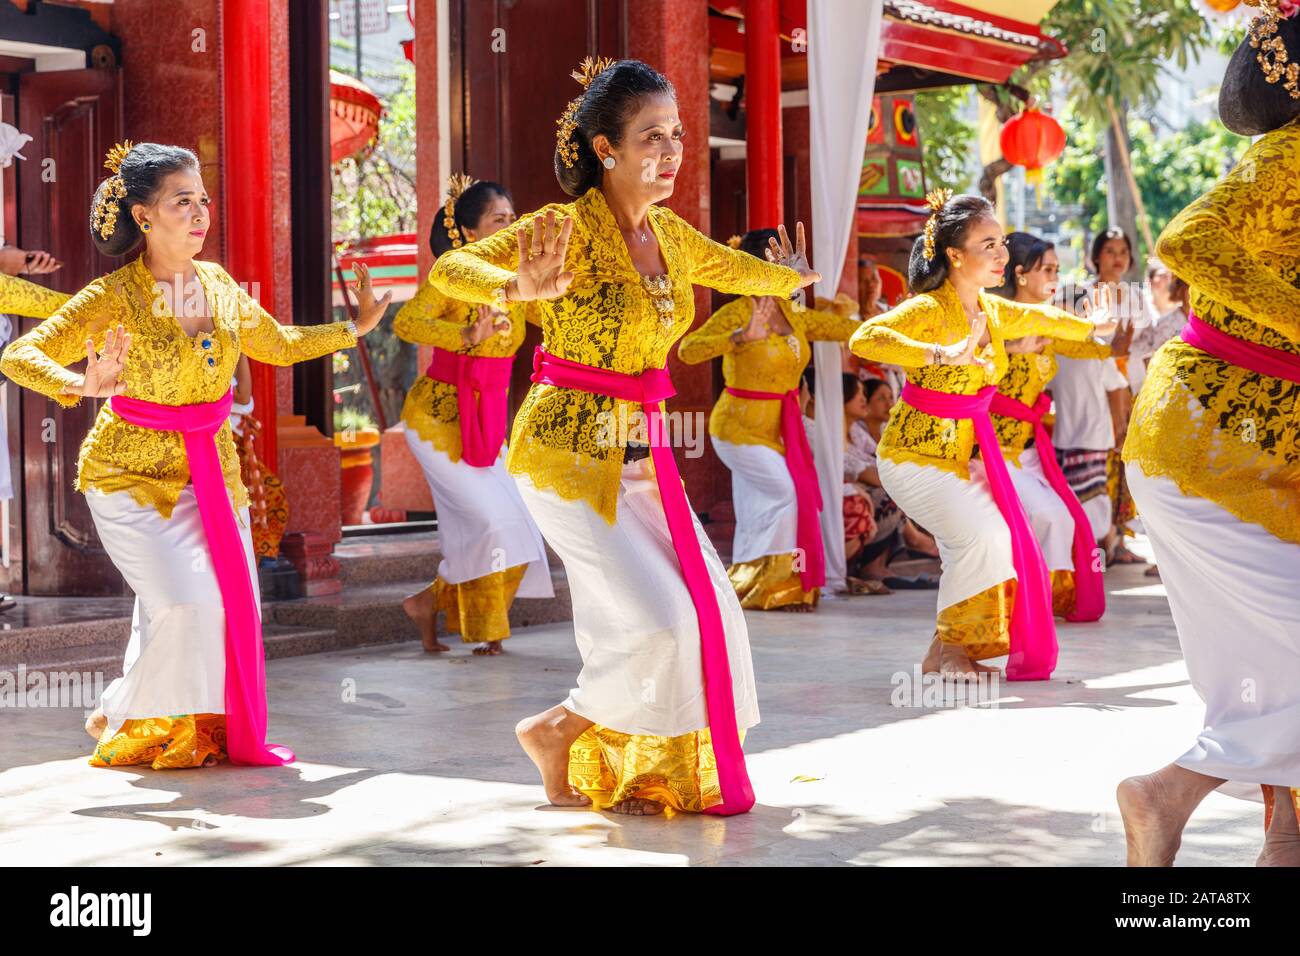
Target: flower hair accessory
(935, 199)
(734, 242)
(103, 218)
(1272, 56)
(456, 186)
(587, 71)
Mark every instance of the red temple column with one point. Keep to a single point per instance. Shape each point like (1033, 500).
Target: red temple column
(763, 113)
(246, 163)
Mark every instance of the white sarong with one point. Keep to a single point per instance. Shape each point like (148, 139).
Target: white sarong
(762, 491)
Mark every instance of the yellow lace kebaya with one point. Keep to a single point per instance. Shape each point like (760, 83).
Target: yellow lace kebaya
(1219, 431)
(432, 318)
(1026, 377)
(906, 335)
(567, 441)
(20, 297)
(773, 364)
(163, 365)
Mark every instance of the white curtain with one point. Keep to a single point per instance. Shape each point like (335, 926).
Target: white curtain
(843, 41)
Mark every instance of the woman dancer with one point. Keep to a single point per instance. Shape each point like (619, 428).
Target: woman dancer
(1061, 525)
(994, 593)
(161, 337)
(1213, 459)
(653, 608)
(777, 560)
(455, 417)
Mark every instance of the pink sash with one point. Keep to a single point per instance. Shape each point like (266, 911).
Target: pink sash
(1270, 362)
(649, 389)
(1033, 631)
(245, 662)
(807, 494)
(1089, 587)
(482, 386)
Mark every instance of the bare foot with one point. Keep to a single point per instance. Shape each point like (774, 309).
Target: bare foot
(210, 760)
(96, 723)
(1155, 808)
(985, 668)
(930, 663)
(955, 665)
(422, 610)
(1282, 841)
(548, 749)
(635, 806)
(490, 649)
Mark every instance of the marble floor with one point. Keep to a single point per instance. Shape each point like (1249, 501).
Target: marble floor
(410, 759)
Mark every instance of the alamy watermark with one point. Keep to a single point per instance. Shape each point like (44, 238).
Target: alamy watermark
(37, 689)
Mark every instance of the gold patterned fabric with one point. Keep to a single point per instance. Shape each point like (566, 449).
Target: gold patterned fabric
(770, 582)
(431, 318)
(479, 609)
(1063, 593)
(1026, 377)
(980, 624)
(163, 365)
(165, 743)
(773, 364)
(679, 772)
(906, 335)
(570, 442)
(1219, 431)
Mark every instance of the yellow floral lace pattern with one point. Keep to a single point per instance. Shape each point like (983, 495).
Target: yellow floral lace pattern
(773, 364)
(1026, 377)
(431, 409)
(1219, 431)
(905, 336)
(163, 365)
(570, 442)
(20, 297)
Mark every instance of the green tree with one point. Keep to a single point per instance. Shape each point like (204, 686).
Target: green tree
(946, 136)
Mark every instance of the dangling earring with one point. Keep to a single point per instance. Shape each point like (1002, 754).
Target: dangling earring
(145, 227)
(1024, 281)
(608, 162)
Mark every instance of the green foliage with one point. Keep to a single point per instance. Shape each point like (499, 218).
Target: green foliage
(351, 420)
(1171, 171)
(375, 196)
(946, 136)
(1116, 48)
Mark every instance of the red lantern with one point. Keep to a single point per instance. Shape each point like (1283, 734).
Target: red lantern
(1032, 139)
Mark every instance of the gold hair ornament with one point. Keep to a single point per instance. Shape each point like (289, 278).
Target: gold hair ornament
(734, 242)
(103, 218)
(456, 186)
(1272, 56)
(587, 71)
(936, 199)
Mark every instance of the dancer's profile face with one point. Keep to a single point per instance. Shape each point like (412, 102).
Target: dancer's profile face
(982, 259)
(498, 214)
(178, 217)
(1042, 281)
(649, 153)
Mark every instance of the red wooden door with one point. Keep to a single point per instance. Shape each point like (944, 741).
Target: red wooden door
(74, 117)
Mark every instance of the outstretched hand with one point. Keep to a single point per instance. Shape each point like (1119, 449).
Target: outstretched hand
(103, 376)
(369, 309)
(488, 322)
(966, 351)
(796, 256)
(541, 273)
(759, 325)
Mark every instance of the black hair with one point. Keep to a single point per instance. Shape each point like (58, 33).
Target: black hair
(1099, 243)
(871, 386)
(1249, 104)
(469, 209)
(850, 383)
(143, 170)
(1026, 250)
(605, 107)
(755, 241)
(954, 221)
